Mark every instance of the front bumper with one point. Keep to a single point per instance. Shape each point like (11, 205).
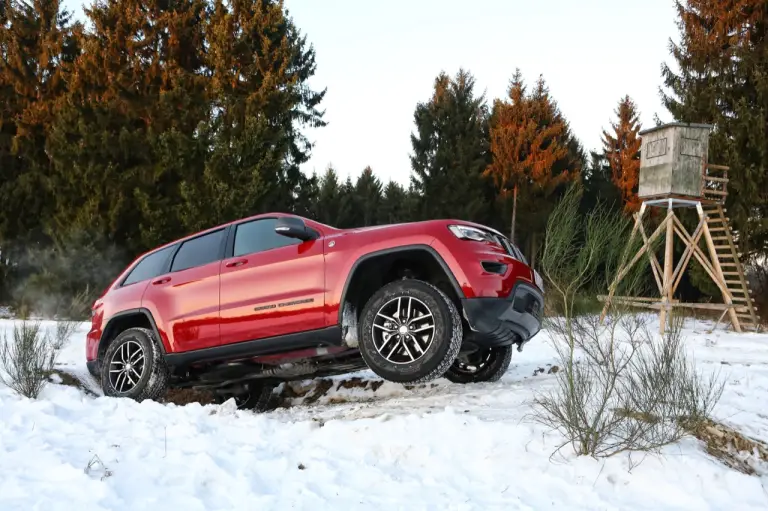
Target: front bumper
(504, 321)
(94, 368)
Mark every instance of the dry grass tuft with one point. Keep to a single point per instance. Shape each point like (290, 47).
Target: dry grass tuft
(732, 448)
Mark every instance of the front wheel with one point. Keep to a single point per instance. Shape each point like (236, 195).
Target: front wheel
(481, 365)
(133, 367)
(410, 332)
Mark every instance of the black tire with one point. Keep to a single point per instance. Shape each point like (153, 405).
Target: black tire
(153, 374)
(255, 395)
(438, 352)
(480, 366)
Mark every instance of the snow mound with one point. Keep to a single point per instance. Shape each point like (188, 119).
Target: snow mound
(361, 443)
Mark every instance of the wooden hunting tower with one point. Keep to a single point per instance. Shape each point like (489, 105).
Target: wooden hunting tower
(674, 173)
(671, 160)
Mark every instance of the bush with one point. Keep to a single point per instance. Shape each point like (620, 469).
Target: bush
(27, 359)
(617, 389)
(627, 391)
(64, 330)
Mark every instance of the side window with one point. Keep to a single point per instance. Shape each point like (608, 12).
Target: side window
(258, 236)
(198, 251)
(149, 267)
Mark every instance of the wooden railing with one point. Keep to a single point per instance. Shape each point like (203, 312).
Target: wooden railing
(714, 183)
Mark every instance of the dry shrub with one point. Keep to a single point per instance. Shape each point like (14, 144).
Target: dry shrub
(627, 391)
(27, 359)
(617, 388)
(64, 330)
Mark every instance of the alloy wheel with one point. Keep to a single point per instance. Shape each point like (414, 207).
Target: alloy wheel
(473, 362)
(403, 330)
(127, 367)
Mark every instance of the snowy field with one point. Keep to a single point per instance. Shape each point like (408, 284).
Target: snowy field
(440, 446)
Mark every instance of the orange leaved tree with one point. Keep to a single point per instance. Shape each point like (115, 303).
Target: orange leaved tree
(622, 150)
(533, 153)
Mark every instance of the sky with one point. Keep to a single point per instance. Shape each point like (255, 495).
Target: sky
(379, 59)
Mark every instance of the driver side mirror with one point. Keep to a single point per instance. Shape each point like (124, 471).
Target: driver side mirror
(294, 227)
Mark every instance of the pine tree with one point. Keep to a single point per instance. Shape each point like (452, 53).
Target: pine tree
(622, 149)
(450, 151)
(328, 204)
(36, 50)
(598, 185)
(534, 155)
(348, 214)
(125, 138)
(260, 65)
(368, 198)
(723, 64)
(394, 204)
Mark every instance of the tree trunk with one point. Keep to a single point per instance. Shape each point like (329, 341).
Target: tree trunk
(514, 216)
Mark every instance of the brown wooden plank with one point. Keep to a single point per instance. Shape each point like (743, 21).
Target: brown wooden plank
(742, 279)
(717, 167)
(677, 275)
(716, 272)
(716, 179)
(655, 266)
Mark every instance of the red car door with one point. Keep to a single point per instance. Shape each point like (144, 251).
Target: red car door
(271, 284)
(185, 301)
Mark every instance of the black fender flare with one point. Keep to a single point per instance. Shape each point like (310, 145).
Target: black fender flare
(403, 248)
(107, 330)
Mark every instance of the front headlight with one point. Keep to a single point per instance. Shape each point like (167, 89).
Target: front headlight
(539, 281)
(466, 232)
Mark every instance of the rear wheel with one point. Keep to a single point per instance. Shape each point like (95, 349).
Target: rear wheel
(481, 365)
(133, 367)
(255, 395)
(409, 332)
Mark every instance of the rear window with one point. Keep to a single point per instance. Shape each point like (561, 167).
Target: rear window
(151, 266)
(199, 251)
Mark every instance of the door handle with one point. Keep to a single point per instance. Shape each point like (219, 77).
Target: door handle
(239, 262)
(161, 281)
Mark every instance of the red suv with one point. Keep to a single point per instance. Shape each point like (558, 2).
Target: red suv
(238, 308)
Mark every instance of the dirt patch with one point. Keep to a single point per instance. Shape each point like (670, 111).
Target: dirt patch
(181, 397)
(732, 448)
(321, 388)
(359, 383)
(70, 381)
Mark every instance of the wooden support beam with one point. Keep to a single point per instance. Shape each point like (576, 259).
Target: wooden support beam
(702, 258)
(718, 277)
(666, 292)
(624, 268)
(677, 276)
(655, 266)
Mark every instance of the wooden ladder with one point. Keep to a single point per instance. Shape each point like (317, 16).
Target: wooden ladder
(733, 271)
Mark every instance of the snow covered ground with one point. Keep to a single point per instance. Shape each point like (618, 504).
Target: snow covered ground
(439, 446)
